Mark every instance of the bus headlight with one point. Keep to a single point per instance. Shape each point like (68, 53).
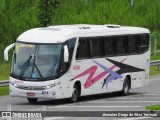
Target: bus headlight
(14, 84)
(51, 86)
(48, 87)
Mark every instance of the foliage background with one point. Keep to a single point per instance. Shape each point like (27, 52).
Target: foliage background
(17, 16)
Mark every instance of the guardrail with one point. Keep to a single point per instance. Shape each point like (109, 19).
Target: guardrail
(4, 83)
(155, 63)
(152, 63)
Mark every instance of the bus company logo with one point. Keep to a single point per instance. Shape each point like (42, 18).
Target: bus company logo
(6, 114)
(76, 67)
(18, 82)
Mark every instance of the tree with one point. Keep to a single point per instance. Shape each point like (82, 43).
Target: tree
(46, 10)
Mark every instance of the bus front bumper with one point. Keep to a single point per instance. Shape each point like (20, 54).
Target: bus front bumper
(49, 93)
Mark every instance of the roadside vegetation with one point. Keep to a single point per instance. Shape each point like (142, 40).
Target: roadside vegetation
(17, 16)
(4, 71)
(4, 90)
(154, 71)
(153, 107)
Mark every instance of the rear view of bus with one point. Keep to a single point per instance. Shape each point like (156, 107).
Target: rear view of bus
(77, 60)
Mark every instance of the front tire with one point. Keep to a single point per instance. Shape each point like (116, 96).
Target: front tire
(75, 93)
(125, 89)
(32, 100)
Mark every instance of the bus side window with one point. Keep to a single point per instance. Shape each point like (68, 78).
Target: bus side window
(96, 47)
(108, 46)
(143, 43)
(132, 44)
(120, 49)
(83, 49)
(71, 46)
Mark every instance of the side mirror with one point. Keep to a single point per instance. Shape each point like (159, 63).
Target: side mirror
(66, 54)
(7, 50)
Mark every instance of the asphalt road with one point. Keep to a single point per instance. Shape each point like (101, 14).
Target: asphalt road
(137, 100)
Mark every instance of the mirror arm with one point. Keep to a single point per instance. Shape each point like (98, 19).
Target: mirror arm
(7, 50)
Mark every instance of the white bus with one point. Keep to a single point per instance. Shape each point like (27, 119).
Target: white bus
(69, 61)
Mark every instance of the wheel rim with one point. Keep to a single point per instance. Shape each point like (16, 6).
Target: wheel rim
(126, 87)
(74, 94)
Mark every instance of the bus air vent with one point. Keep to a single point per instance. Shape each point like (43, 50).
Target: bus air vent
(112, 26)
(84, 28)
(51, 29)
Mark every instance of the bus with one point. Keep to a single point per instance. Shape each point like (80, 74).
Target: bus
(69, 61)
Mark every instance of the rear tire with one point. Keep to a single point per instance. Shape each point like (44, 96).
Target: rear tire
(75, 94)
(125, 89)
(32, 100)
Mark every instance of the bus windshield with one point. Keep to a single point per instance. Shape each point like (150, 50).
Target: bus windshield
(35, 61)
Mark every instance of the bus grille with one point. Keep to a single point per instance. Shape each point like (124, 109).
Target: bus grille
(31, 87)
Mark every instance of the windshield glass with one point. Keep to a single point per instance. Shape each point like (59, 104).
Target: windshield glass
(35, 61)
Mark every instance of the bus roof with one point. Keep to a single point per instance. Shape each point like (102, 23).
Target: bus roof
(61, 33)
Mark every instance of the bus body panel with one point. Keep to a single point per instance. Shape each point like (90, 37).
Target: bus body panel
(138, 79)
(96, 75)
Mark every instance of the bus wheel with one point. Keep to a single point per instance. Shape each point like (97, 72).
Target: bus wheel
(32, 100)
(125, 89)
(75, 93)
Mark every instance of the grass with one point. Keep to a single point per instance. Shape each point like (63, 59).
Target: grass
(155, 56)
(153, 107)
(154, 71)
(4, 71)
(4, 90)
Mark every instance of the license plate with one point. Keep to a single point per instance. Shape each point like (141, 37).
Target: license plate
(30, 94)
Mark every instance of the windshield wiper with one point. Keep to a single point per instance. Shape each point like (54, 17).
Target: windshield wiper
(38, 70)
(25, 66)
(35, 66)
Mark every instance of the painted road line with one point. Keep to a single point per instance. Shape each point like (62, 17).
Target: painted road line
(150, 80)
(65, 106)
(8, 99)
(151, 94)
(155, 99)
(136, 97)
(126, 102)
(48, 107)
(39, 109)
(132, 99)
(53, 118)
(135, 118)
(146, 94)
(98, 106)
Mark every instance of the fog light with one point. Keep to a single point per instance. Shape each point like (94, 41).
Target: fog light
(14, 84)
